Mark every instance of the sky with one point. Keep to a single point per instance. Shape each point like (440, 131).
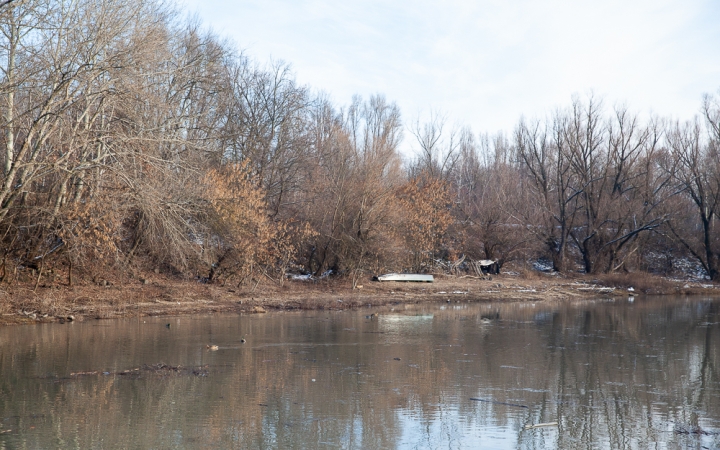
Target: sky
(486, 63)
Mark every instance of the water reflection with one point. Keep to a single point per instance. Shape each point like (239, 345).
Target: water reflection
(612, 374)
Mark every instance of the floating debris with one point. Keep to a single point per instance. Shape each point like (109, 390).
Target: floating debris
(154, 369)
(497, 402)
(81, 374)
(695, 430)
(541, 425)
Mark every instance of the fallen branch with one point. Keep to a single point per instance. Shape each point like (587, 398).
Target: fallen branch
(695, 430)
(497, 403)
(541, 425)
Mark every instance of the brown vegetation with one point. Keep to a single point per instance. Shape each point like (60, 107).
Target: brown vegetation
(133, 140)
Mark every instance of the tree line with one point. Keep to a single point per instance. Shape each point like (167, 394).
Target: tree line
(135, 137)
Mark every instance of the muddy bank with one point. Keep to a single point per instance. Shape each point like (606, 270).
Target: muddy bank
(162, 296)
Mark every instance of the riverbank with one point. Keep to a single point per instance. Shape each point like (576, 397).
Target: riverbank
(158, 295)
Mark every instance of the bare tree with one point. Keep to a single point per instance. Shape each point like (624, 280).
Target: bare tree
(109, 108)
(438, 148)
(488, 201)
(267, 125)
(605, 160)
(352, 188)
(59, 89)
(165, 133)
(596, 183)
(551, 180)
(696, 150)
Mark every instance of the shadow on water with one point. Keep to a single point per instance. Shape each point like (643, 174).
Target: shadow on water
(602, 374)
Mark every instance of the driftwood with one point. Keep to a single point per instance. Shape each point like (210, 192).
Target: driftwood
(541, 425)
(497, 403)
(695, 430)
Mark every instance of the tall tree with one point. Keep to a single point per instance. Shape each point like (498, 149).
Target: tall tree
(552, 183)
(606, 157)
(696, 150)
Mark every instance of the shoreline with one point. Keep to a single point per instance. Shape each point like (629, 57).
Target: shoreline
(164, 296)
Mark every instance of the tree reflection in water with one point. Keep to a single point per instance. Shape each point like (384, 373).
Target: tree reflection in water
(612, 374)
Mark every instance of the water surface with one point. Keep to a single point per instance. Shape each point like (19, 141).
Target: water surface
(611, 373)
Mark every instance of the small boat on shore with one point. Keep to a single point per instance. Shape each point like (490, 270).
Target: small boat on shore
(406, 277)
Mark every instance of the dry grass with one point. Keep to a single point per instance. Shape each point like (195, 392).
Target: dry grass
(641, 282)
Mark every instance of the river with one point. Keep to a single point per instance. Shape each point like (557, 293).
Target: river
(622, 373)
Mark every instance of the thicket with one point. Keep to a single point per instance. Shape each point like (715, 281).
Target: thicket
(133, 137)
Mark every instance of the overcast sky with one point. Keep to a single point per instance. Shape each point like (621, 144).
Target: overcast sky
(484, 63)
